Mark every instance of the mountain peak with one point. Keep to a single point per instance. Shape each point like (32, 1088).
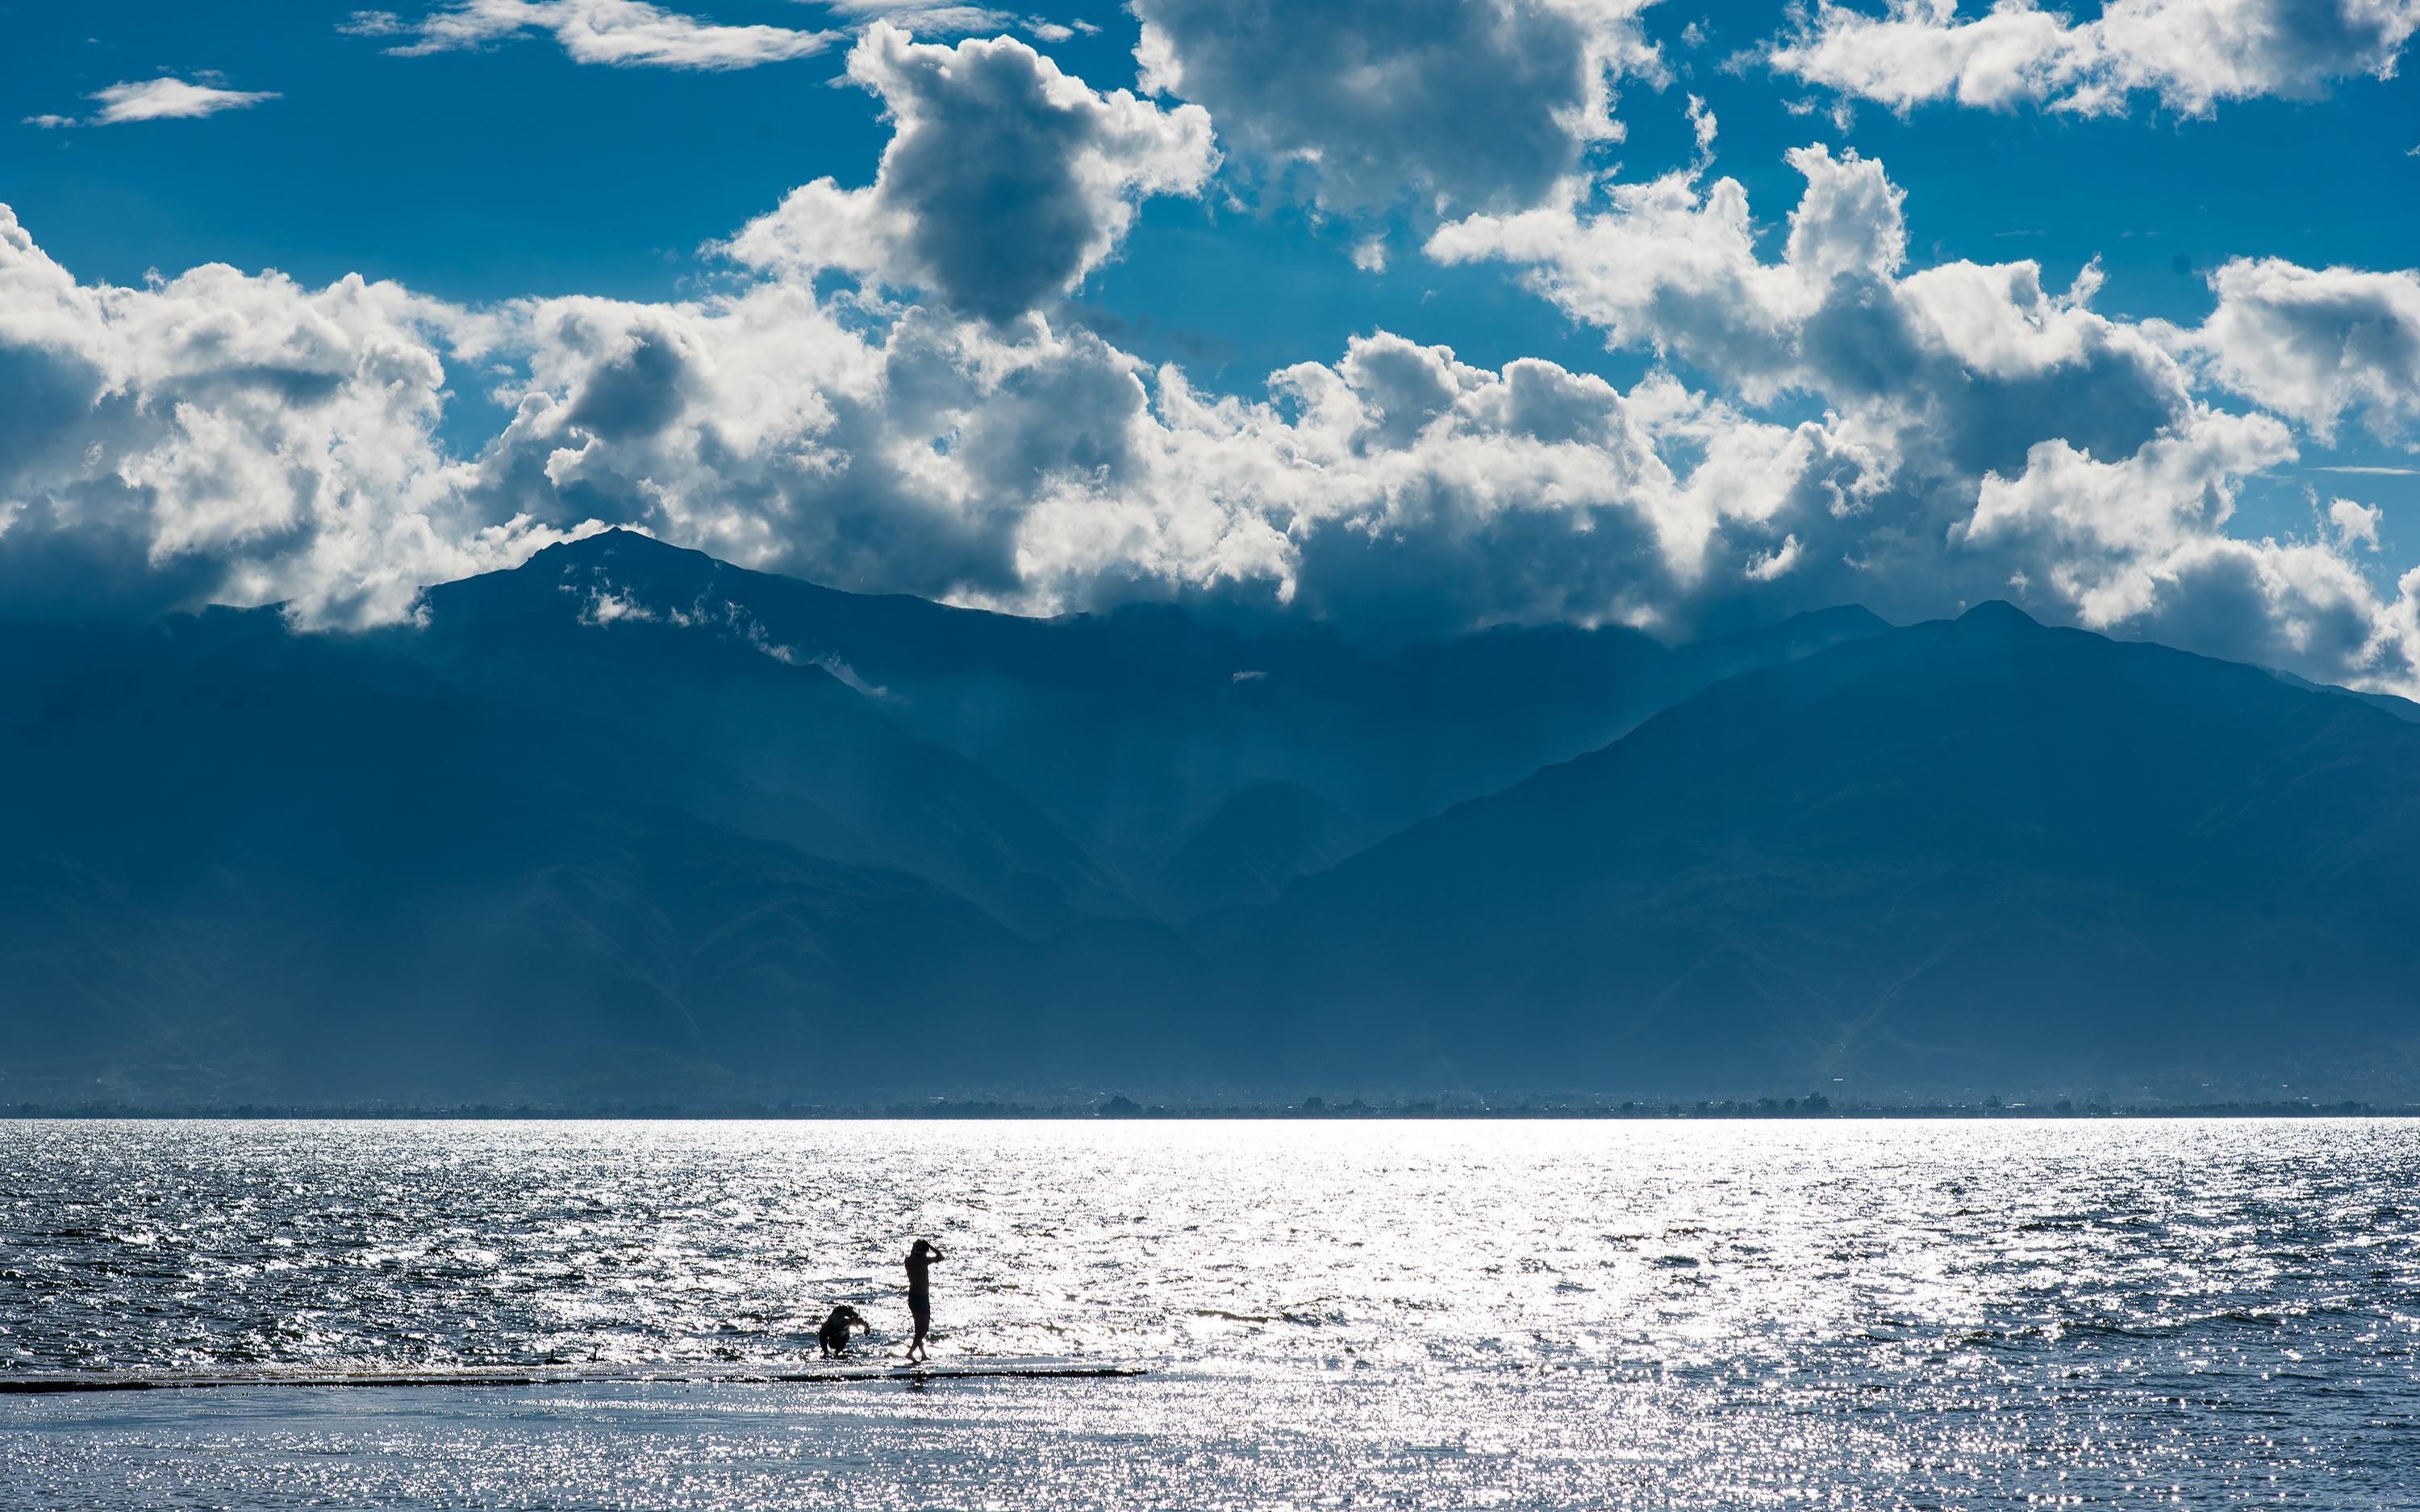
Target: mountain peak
(1999, 612)
(616, 541)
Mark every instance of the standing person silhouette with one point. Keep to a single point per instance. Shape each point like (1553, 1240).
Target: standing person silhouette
(919, 1293)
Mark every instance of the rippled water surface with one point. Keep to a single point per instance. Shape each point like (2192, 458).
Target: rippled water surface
(1683, 1315)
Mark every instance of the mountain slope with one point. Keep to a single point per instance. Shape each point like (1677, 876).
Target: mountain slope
(1128, 727)
(237, 863)
(572, 843)
(711, 684)
(1248, 848)
(1978, 849)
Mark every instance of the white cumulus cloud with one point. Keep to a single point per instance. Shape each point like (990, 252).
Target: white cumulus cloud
(2027, 439)
(223, 438)
(2138, 545)
(2316, 344)
(1483, 102)
(1004, 183)
(2189, 53)
(2355, 523)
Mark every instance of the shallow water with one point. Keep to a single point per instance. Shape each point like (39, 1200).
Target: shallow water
(1716, 1315)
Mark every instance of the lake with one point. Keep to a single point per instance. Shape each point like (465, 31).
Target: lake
(1718, 1313)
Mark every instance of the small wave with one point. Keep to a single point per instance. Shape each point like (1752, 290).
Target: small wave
(2096, 1329)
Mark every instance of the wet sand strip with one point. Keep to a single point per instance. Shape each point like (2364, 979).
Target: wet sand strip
(523, 1376)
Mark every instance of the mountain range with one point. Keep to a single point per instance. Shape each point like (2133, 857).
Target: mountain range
(628, 823)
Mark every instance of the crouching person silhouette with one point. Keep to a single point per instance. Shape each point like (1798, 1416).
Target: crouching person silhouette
(833, 1336)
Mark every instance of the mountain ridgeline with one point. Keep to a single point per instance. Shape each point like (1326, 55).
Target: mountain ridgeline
(631, 825)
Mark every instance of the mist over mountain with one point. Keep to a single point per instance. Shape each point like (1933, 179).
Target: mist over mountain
(630, 823)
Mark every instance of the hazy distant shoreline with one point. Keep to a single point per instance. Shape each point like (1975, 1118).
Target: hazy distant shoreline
(1414, 1111)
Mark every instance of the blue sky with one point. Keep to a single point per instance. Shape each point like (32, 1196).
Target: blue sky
(546, 220)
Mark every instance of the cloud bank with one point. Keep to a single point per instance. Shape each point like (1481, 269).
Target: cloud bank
(2030, 444)
(2188, 55)
(1829, 425)
(225, 437)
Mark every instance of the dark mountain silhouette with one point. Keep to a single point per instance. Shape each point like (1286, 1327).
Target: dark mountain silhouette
(628, 823)
(618, 824)
(1128, 728)
(1968, 852)
(243, 863)
(822, 765)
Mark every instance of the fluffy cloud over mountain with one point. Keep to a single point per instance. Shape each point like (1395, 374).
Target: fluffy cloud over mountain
(2188, 54)
(223, 437)
(1040, 469)
(2030, 442)
(1828, 423)
(1965, 365)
